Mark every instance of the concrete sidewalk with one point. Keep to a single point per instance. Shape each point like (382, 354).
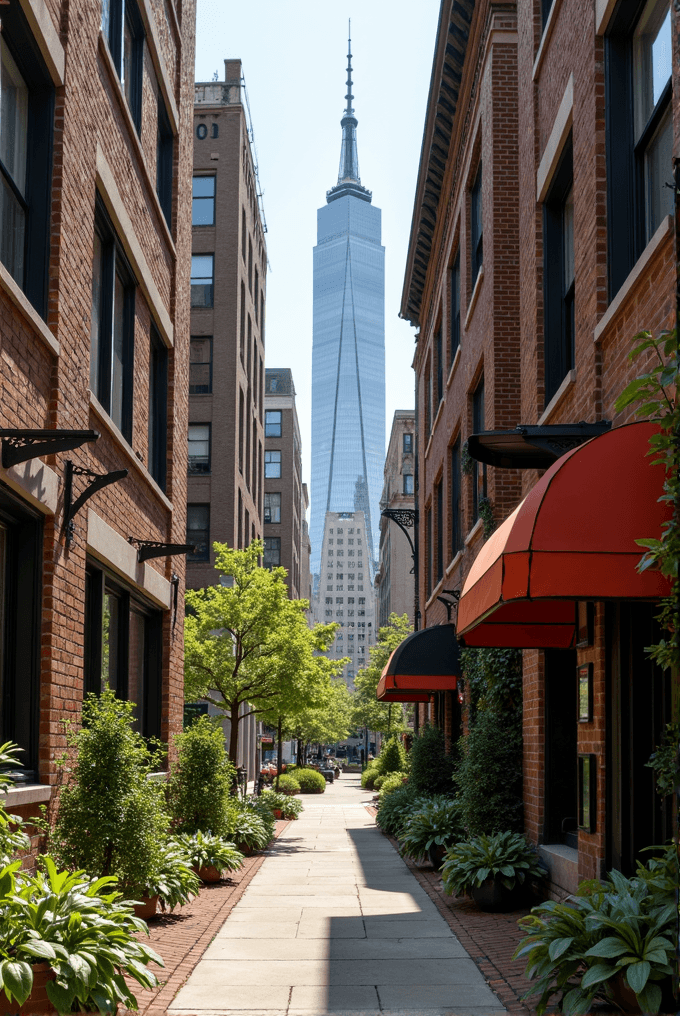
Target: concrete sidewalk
(335, 923)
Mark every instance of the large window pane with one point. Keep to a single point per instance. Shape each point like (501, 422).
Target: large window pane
(272, 551)
(202, 266)
(203, 201)
(136, 663)
(200, 368)
(199, 448)
(272, 507)
(272, 465)
(198, 531)
(14, 119)
(272, 423)
(118, 357)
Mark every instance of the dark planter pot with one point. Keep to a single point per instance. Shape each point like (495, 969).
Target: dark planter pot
(278, 813)
(37, 1001)
(493, 896)
(436, 855)
(208, 873)
(245, 850)
(146, 907)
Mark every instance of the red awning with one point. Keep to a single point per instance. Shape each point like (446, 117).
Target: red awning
(572, 538)
(425, 662)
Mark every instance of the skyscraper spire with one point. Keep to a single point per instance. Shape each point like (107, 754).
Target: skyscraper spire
(349, 181)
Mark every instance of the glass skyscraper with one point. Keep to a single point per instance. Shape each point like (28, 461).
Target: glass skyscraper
(348, 353)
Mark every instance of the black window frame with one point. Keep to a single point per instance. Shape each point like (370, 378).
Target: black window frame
(201, 468)
(479, 478)
(404, 488)
(439, 522)
(208, 288)
(272, 451)
(116, 16)
(439, 366)
(476, 226)
(626, 199)
(454, 329)
(407, 443)
(268, 507)
(271, 544)
(21, 632)
(158, 409)
(268, 423)
(559, 321)
(114, 265)
(456, 498)
(203, 199)
(202, 552)
(193, 387)
(165, 155)
(100, 582)
(36, 202)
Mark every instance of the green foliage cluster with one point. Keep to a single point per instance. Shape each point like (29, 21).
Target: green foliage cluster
(489, 777)
(385, 717)
(436, 823)
(201, 779)
(310, 781)
(173, 880)
(505, 857)
(392, 758)
(370, 775)
(618, 930)
(431, 770)
(248, 830)
(82, 928)
(12, 839)
(493, 680)
(395, 810)
(287, 784)
(289, 806)
(112, 817)
(204, 850)
(389, 783)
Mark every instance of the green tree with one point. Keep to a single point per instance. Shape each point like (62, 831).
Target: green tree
(328, 720)
(201, 779)
(385, 717)
(248, 645)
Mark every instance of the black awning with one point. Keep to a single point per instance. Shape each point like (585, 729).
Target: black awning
(531, 447)
(425, 662)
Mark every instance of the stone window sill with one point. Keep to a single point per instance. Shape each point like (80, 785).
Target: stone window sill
(455, 363)
(29, 793)
(473, 299)
(553, 405)
(472, 535)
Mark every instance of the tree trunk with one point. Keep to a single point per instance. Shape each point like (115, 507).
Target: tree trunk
(233, 733)
(278, 754)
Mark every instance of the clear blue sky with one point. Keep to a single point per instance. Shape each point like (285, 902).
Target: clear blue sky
(294, 62)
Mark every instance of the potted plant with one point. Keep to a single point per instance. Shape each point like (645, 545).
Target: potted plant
(174, 881)
(12, 838)
(493, 870)
(248, 830)
(83, 934)
(208, 855)
(280, 805)
(431, 830)
(201, 779)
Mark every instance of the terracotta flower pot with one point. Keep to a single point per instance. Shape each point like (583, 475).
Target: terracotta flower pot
(209, 873)
(278, 813)
(146, 907)
(37, 1001)
(622, 994)
(245, 850)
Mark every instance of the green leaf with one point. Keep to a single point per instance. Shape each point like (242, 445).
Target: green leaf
(17, 977)
(40, 948)
(559, 947)
(608, 948)
(649, 999)
(60, 996)
(600, 972)
(637, 975)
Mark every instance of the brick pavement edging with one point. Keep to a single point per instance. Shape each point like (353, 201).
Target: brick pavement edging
(182, 937)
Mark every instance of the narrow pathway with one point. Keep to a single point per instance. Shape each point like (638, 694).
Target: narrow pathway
(334, 923)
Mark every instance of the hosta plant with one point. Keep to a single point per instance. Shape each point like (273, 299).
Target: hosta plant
(505, 857)
(618, 931)
(82, 928)
(395, 810)
(290, 807)
(247, 829)
(435, 824)
(203, 850)
(174, 881)
(12, 839)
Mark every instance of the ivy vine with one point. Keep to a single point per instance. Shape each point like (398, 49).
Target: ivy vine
(487, 516)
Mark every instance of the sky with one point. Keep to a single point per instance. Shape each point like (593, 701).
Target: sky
(294, 59)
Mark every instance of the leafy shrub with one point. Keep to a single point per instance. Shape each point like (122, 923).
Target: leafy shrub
(289, 807)
(201, 779)
(434, 824)
(252, 805)
(203, 850)
(310, 781)
(247, 829)
(370, 774)
(111, 816)
(431, 769)
(82, 928)
(494, 682)
(621, 928)
(390, 783)
(173, 880)
(288, 784)
(378, 781)
(396, 808)
(506, 857)
(489, 777)
(392, 758)
(12, 839)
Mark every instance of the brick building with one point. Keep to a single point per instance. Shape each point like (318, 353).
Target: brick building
(95, 147)
(542, 242)
(228, 283)
(284, 493)
(394, 592)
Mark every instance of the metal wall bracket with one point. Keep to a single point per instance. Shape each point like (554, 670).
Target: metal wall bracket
(405, 518)
(71, 507)
(147, 549)
(19, 445)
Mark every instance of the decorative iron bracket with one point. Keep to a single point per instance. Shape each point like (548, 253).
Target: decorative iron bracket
(405, 518)
(450, 604)
(71, 507)
(147, 549)
(19, 445)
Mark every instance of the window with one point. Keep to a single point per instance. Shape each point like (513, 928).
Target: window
(20, 625)
(639, 131)
(165, 148)
(478, 468)
(439, 365)
(454, 334)
(558, 274)
(122, 26)
(407, 444)
(456, 526)
(202, 274)
(408, 483)
(112, 325)
(428, 396)
(243, 323)
(203, 201)
(428, 550)
(158, 409)
(243, 234)
(476, 230)
(272, 465)
(198, 531)
(123, 648)
(200, 366)
(272, 551)
(272, 423)
(199, 448)
(241, 430)
(250, 265)
(26, 113)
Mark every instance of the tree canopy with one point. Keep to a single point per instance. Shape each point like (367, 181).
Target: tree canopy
(248, 647)
(385, 717)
